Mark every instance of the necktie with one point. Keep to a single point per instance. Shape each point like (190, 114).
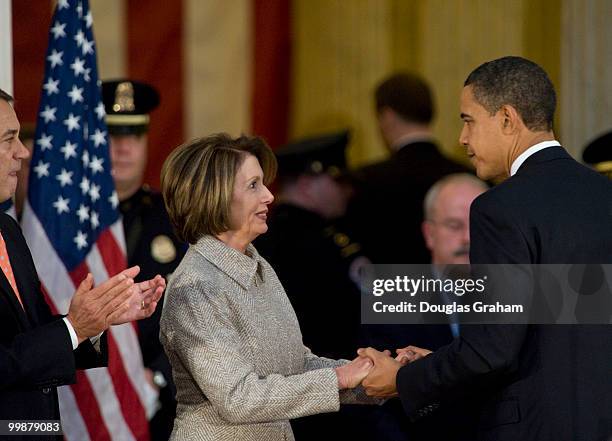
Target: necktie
(5, 264)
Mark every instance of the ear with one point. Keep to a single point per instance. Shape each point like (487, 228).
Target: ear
(428, 234)
(510, 119)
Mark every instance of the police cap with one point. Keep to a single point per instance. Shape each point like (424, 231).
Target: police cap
(314, 155)
(598, 153)
(128, 104)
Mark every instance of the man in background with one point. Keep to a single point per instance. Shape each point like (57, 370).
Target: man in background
(388, 207)
(149, 237)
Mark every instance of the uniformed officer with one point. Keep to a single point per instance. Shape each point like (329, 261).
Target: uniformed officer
(150, 240)
(598, 154)
(316, 260)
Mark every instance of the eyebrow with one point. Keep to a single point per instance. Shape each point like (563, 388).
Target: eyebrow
(10, 133)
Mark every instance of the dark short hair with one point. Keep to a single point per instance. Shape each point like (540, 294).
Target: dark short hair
(520, 83)
(198, 178)
(408, 95)
(5, 96)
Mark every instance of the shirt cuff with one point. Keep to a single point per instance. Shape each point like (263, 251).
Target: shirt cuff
(72, 332)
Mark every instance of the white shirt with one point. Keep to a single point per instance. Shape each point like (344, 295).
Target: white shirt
(530, 151)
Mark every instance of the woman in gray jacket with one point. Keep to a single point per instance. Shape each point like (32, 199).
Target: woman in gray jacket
(231, 335)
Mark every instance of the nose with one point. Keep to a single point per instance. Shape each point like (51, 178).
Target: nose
(268, 196)
(463, 138)
(22, 151)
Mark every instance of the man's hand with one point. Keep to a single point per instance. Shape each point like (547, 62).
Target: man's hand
(411, 353)
(352, 374)
(142, 302)
(91, 308)
(380, 382)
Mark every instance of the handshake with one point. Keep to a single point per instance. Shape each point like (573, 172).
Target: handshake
(376, 371)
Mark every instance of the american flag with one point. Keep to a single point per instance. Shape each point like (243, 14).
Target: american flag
(73, 227)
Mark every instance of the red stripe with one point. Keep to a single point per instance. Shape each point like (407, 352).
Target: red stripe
(90, 410)
(84, 394)
(131, 407)
(30, 33)
(155, 55)
(272, 54)
(112, 255)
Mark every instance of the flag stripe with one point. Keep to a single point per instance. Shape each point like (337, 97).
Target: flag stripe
(73, 424)
(111, 256)
(88, 408)
(157, 56)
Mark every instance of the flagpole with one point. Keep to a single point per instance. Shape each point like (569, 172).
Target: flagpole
(6, 47)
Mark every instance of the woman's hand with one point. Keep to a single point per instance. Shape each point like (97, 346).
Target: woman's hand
(352, 374)
(411, 353)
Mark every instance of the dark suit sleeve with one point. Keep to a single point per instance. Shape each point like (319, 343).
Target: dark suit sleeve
(483, 353)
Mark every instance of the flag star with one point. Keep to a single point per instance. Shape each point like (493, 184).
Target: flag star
(114, 199)
(61, 205)
(69, 150)
(51, 86)
(55, 58)
(100, 110)
(96, 165)
(72, 122)
(94, 192)
(88, 19)
(62, 4)
(85, 158)
(95, 222)
(79, 9)
(98, 138)
(65, 177)
(45, 142)
(87, 47)
(58, 30)
(79, 38)
(84, 185)
(42, 169)
(86, 73)
(80, 239)
(83, 213)
(76, 94)
(78, 66)
(48, 114)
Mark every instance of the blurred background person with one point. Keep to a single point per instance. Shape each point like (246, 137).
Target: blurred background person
(446, 232)
(239, 363)
(598, 154)
(317, 262)
(389, 195)
(150, 241)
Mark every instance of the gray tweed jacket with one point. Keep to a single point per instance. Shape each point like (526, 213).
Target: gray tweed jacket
(232, 337)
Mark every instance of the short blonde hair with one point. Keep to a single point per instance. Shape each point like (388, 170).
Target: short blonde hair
(197, 181)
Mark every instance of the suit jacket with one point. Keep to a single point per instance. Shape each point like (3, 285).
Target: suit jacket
(536, 382)
(36, 352)
(234, 343)
(387, 210)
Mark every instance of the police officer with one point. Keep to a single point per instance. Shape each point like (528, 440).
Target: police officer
(598, 154)
(316, 260)
(150, 241)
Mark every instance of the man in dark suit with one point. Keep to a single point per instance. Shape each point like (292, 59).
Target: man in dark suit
(389, 195)
(534, 382)
(38, 351)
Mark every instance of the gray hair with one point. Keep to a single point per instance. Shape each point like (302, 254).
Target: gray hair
(432, 194)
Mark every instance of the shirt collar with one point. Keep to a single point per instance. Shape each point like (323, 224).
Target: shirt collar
(530, 151)
(240, 267)
(402, 141)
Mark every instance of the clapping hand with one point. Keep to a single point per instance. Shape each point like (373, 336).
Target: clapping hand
(142, 302)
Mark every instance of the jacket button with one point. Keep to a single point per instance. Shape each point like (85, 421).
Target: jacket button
(46, 390)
